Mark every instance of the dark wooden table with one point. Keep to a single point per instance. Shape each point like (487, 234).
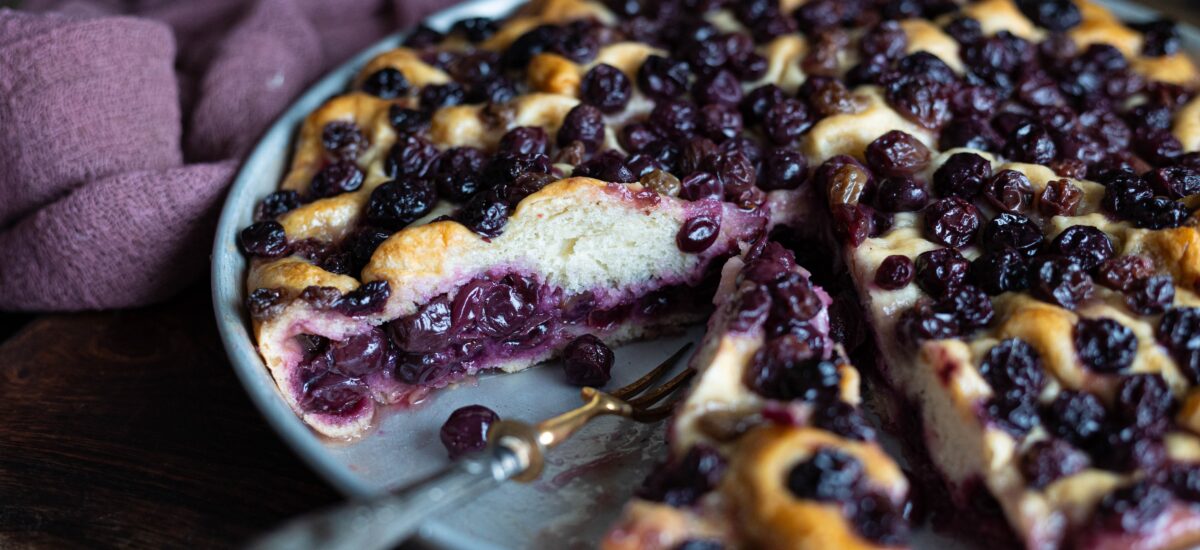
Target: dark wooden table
(129, 429)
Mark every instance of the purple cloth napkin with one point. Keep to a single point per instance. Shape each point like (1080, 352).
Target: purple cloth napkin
(120, 130)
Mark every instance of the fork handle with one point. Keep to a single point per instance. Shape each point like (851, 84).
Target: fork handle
(386, 520)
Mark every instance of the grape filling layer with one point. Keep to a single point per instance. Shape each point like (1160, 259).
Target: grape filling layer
(485, 323)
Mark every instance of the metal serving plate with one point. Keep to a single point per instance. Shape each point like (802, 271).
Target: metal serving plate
(588, 478)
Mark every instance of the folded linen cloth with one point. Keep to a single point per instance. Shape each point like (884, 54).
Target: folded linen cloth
(121, 128)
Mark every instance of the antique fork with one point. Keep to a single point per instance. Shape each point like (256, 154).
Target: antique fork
(515, 451)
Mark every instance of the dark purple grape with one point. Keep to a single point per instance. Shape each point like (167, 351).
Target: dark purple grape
(921, 99)
(1144, 403)
(1049, 460)
(587, 362)
(962, 175)
(386, 83)
(1158, 147)
(343, 140)
(972, 133)
(368, 299)
(476, 29)
(1030, 142)
(894, 272)
(977, 103)
(539, 39)
(327, 392)
(526, 184)
(1160, 37)
(606, 87)
(1017, 417)
(788, 367)
(876, 519)
(696, 154)
(1151, 295)
(400, 202)
(720, 122)
(1121, 272)
(1000, 271)
(922, 322)
(1175, 182)
(427, 330)
(941, 270)
(1054, 15)
(607, 166)
(897, 154)
(407, 121)
(1104, 345)
(700, 186)
(886, 39)
(264, 303)
(843, 419)
(466, 430)
(1133, 508)
(484, 214)
(829, 475)
(1086, 245)
(1159, 213)
(782, 168)
(1127, 449)
(1124, 193)
(794, 298)
(952, 221)
(752, 308)
(524, 140)
(760, 100)
(457, 173)
(736, 172)
(583, 123)
(505, 168)
(636, 136)
(970, 306)
(719, 87)
(412, 155)
(697, 234)
(1013, 369)
(437, 96)
(264, 240)
(1012, 231)
(901, 194)
(336, 178)
(1059, 198)
(1038, 89)
(359, 355)
(1060, 281)
(964, 29)
(1184, 481)
(662, 78)
(1077, 417)
(1179, 332)
(786, 121)
(744, 145)
(679, 120)
(276, 204)
(684, 480)
(1009, 191)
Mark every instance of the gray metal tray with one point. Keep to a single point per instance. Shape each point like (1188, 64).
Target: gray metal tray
(588, 479)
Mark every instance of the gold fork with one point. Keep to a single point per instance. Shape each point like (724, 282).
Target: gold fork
(516, 450)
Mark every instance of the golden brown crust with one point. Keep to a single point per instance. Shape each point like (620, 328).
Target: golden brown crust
(1187, 125)
(850, 133)
(924, 36)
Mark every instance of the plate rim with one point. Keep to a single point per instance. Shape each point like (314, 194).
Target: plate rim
(228, 271)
